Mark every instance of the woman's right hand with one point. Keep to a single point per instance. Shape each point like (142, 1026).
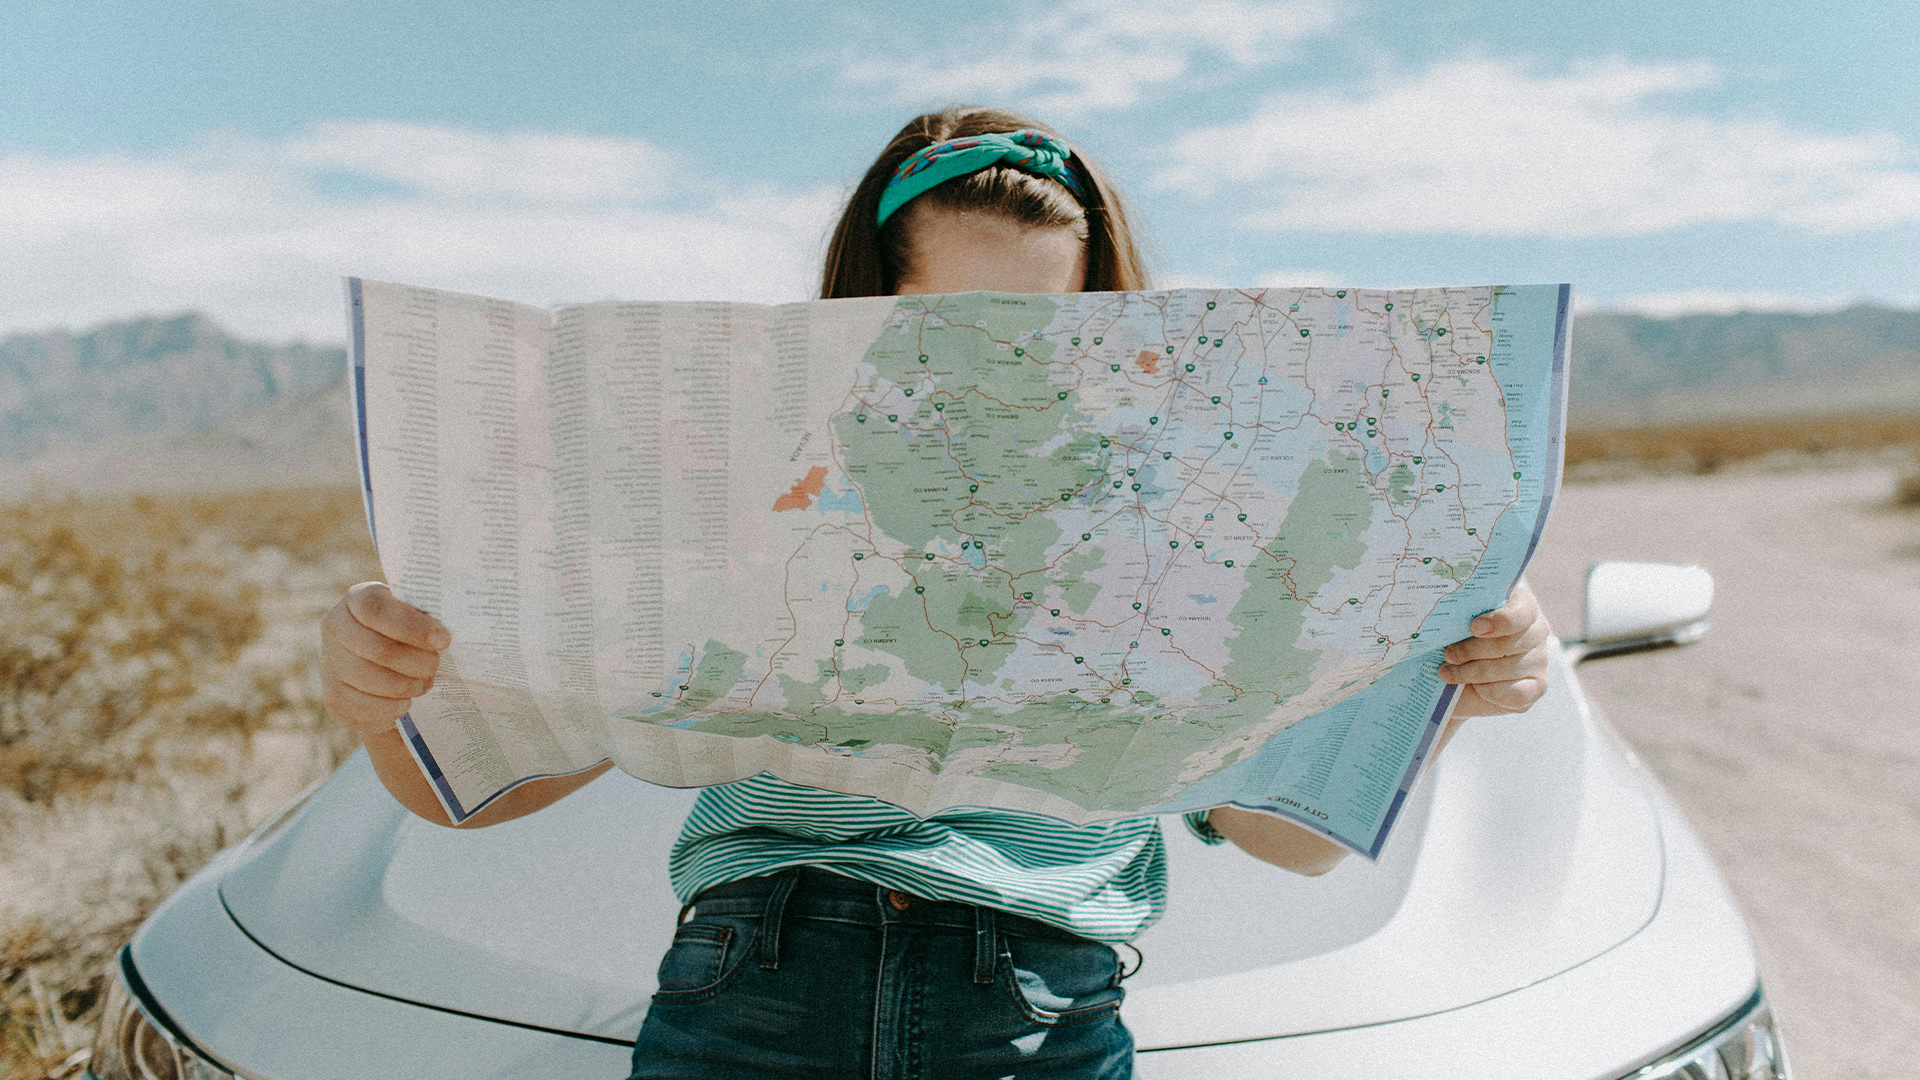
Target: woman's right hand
(377, 653)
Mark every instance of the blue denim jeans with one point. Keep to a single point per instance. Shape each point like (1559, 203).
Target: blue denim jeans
(811, 974)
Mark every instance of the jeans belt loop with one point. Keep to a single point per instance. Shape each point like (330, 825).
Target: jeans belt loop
(983, 944)
(770, 923)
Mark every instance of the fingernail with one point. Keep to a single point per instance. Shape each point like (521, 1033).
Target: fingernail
(1482, 624)
(439, 638)
(1447, 672)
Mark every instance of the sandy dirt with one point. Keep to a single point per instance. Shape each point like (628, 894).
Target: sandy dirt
(1790, 736)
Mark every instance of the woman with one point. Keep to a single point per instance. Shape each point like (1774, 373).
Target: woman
(830, 935)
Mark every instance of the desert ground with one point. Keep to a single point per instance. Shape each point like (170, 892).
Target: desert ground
(158, 697)
(1791, 735)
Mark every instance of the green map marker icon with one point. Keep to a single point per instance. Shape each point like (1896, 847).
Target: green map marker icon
(1086, 536)
(1153, 419)
(1229, 563)
(1209, 305)
(1342, 294)
(1216, 399)
(862, 418)
(1189, 367)
(1165, 632)
(1136, 605)
(908, 391)
(919, 588)
(857, 556)
(1096, 341)
(1063, 395)
(1026, 596)
(1019, 352)
(1113, 367)
(1303, 331)
(1056, 611)
(1243, 517)
(837, 642)
(1076, 341)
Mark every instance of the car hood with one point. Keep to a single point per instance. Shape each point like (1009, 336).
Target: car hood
(1531, 847)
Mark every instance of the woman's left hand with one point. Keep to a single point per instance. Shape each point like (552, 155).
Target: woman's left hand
(1502, 668)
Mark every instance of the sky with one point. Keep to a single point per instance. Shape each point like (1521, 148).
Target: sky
(237, 157)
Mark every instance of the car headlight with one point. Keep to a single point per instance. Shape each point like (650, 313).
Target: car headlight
(1744, 1046)
(137, 1041)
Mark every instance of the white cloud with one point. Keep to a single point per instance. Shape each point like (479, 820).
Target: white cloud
(248, 232)
(530, 166)
(1080, 55)
(1494, 148)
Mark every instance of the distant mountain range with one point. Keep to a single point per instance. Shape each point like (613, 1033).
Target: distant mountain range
(1629, 369)
(178, 403)
(169, 404)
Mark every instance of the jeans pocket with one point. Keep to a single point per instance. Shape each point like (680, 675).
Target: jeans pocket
(1054, 981)
(704, 954)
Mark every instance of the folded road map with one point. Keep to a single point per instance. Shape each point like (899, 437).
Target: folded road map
(1088, 555)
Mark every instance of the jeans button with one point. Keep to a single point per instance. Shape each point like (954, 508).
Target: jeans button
(900, 901)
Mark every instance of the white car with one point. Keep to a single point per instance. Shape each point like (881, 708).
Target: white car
(1541, 911)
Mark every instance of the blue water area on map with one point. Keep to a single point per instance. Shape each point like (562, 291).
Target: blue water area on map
(847, 501)
(861, 603)
(1203, 598)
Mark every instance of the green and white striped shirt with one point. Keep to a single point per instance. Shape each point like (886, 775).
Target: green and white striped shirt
(1106, 881)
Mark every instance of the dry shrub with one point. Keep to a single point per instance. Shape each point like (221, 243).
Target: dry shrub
(158, 697)
(1710, 446)
(1906, 493)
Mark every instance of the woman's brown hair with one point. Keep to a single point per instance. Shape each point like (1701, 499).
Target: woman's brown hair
(864, 259)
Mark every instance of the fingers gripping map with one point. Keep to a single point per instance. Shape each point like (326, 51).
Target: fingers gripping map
(1089, 555)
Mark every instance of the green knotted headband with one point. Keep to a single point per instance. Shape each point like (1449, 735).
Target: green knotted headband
(1028, 150)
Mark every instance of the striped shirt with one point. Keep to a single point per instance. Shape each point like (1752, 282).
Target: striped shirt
(1106, 881)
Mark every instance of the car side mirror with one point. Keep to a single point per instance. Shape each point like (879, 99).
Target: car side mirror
(1636, 606)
